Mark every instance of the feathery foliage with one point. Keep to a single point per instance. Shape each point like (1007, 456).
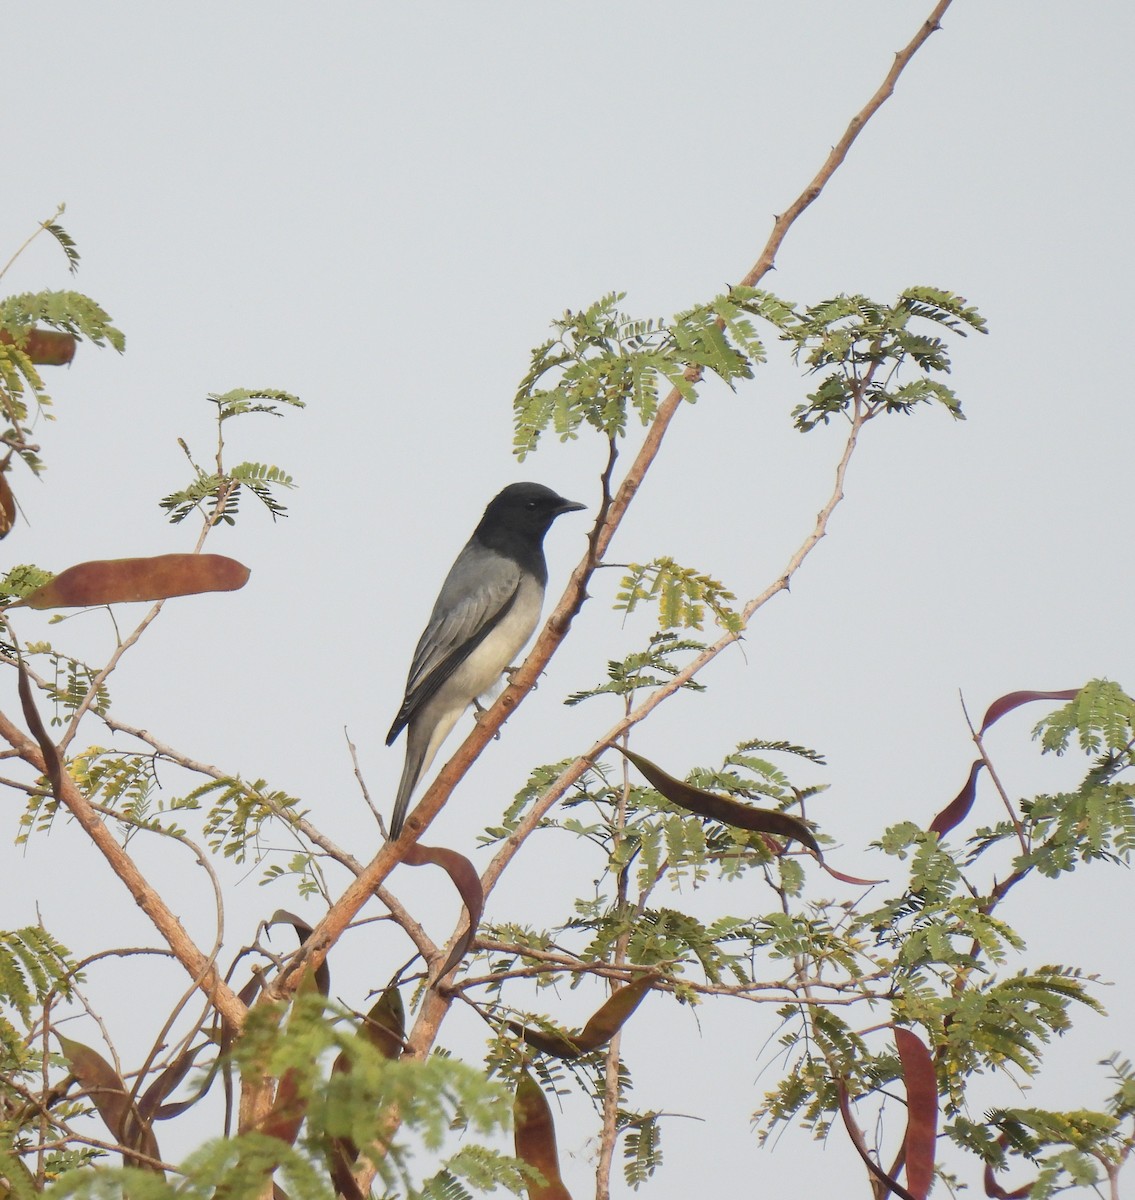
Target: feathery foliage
(863, 346)
(682, 595)
(602, 364)
(215, 495)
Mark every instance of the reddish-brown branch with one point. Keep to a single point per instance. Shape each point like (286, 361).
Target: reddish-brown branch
(886, 89)
(200, 967)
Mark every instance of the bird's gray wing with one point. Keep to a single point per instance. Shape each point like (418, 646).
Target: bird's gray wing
(479, 590)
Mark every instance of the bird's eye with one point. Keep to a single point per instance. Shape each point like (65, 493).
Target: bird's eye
(530, 505)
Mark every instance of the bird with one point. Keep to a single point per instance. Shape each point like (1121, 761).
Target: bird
(486, 611)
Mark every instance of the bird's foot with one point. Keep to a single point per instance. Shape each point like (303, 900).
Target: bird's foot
(509, 672)
(479, 711)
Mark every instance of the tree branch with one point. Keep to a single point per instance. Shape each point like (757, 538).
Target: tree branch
(201, 968)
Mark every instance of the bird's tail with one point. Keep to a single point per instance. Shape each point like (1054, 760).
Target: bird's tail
(424, 735)
(410, 775)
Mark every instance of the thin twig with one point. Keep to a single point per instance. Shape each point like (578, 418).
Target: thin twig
(998, 785)
(292, 821)
(104, 673)
(29, 239)
(612, 1059)
(362, 782)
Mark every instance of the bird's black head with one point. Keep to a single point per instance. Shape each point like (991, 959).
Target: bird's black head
(521, 514)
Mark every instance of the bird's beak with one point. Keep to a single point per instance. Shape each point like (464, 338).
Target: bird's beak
(566, 506)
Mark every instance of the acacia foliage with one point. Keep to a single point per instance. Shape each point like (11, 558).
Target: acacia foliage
(884, 997)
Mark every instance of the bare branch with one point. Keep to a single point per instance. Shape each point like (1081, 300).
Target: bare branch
(200, 967)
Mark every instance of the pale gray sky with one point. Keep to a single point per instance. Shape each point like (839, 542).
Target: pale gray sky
(380, 207)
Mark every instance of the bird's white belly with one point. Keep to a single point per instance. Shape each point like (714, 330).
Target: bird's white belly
(482, 669)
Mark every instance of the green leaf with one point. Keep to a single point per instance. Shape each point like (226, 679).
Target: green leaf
(682, 595)
(241, 401)
(64, 239)
(72, 312)
(604, 365)
(644, 669)
(642, 1148)
(1101, 715)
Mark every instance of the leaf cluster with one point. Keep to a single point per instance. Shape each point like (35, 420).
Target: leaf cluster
(238, 812)
(861, 348)
(21, 384)
(71, 312)
(20, 581)
(1065, 1149)
(644, 669)
(32, 964)
(216, 494)
(681, 593)
(340, 1105)
(603, 364)
(71, 681)
(1101, 718)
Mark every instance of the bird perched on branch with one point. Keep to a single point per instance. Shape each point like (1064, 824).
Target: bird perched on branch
(488, 608)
